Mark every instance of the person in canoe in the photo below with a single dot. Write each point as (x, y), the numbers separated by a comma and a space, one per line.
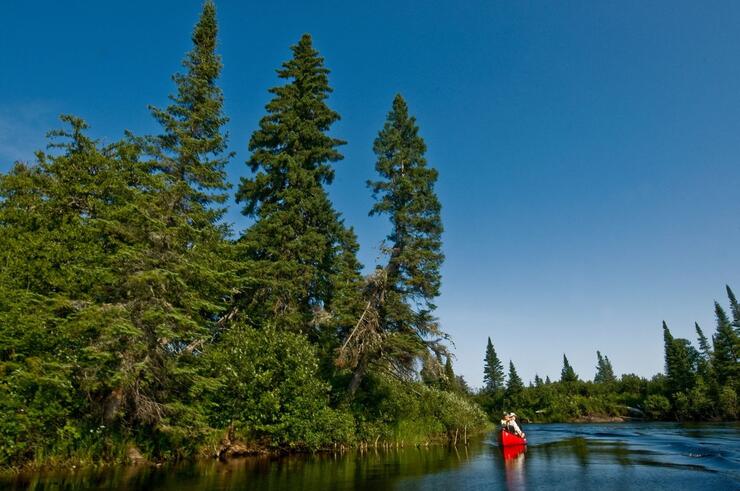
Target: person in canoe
(509, 424)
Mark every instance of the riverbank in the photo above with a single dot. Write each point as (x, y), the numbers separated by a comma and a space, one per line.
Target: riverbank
(230, 448)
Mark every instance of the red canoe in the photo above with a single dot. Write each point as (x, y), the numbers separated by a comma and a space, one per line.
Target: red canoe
(510, 439)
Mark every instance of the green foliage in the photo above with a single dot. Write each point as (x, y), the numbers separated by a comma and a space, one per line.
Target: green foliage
(270, 391)
(390, 410)
(728, 403)
(396, 328)
(567, 374)
(514, 385)
(450, 380)
(680, 360)
(298, 257)
(493, 370)
(725, 356)
(604, 370)
(190, 151)
(657, 406)
(405, 193)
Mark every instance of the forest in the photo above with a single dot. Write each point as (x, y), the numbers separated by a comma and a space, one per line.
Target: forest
(699, 383)
(136, 325)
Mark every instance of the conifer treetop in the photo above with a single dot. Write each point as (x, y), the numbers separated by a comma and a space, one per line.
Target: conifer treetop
(191, 149)
(292, 144)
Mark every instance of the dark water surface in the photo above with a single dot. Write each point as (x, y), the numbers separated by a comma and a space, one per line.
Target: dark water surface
(568, 456)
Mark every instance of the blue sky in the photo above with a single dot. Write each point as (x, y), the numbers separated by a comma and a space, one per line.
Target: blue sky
(589, 152)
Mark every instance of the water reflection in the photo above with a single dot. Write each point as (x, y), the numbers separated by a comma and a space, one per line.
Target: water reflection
(558, 457)
(514, 467)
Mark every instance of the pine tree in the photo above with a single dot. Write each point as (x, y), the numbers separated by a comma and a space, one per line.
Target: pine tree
(493, 370)
(604, 370)
(725, 359)
(298, 254)
(567, 374)
(734, 308)
(514, 384)
(191, 151)
(406, 193)
(176, 269)
(401, 295)
(704, 347)
(537, 381)
(680, 362)
(547, 380)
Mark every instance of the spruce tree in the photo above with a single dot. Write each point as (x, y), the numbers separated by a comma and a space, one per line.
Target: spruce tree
(680, 362)
(493, 370)
(734, 308)
(401, 294)
(514, 384)
(298, 255)
(176, 270)
(604, 370)
(191, 151)
(567, 374)
(704, 347)
(537, 381)
(725, 359)
(406, 194)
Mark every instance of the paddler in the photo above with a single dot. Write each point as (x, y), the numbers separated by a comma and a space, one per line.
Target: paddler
(510, 425)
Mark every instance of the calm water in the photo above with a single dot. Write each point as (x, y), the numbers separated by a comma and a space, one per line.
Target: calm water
(568, 457)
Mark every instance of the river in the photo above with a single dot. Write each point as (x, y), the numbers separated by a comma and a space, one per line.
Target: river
(559, 456)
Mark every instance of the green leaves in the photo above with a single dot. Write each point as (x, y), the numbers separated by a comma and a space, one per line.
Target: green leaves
(493, 370)
(298, 256)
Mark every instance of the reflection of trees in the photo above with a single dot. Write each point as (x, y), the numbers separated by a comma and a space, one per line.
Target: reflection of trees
(369, 470)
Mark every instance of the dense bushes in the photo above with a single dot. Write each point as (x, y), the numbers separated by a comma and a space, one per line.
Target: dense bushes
(269, 389)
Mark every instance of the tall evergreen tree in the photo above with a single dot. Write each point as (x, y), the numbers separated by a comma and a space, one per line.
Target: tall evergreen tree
(538, 381)
(177, 270)
(514, 384)
(705, 348)
(406, 194)
(567, 374)
(493, 370)
(604, 370)
(704, 366)
(191, 151)
(725, 359)
(734, 308)
(298, 253)
(680, 361)
(450, 378)
(398, 316)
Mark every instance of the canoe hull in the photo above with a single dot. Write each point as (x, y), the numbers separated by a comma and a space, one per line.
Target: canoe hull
(510, 439)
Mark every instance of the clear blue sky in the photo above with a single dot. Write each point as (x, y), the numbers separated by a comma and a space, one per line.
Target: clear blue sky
(589, 152)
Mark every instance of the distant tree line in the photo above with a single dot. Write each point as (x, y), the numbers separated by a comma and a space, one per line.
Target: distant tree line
(699, 384)
(132, 319)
